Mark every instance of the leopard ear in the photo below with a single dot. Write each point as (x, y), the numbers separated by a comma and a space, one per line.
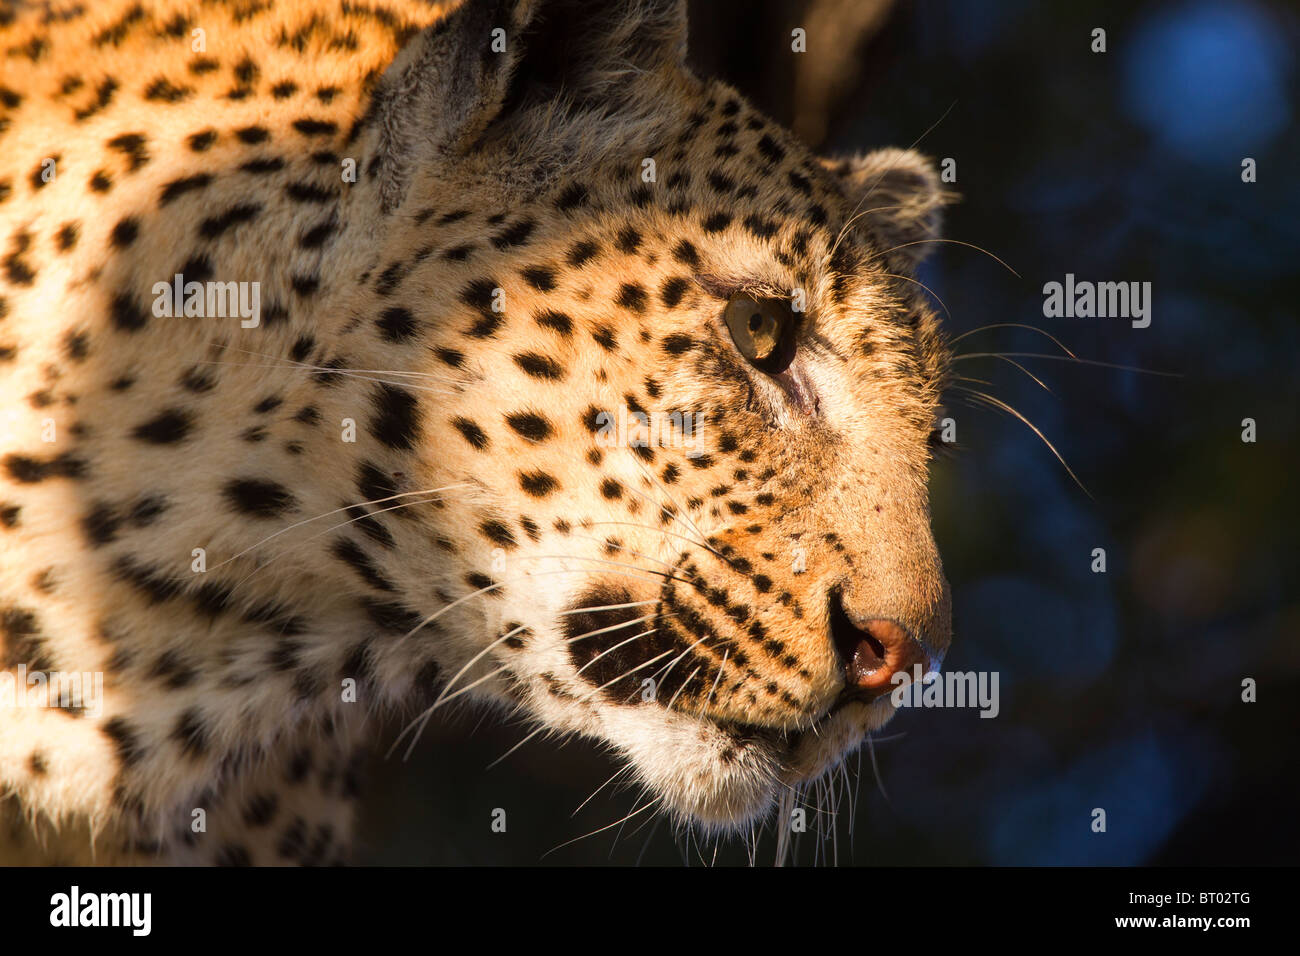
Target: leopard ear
(898, 199)
(490, 59)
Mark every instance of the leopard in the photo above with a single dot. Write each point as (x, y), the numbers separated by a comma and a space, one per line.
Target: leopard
(363, 360)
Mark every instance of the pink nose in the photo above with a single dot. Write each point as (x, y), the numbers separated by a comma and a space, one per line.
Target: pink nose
(873, 651)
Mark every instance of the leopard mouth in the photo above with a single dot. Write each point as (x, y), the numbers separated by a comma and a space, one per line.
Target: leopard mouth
(806, 753)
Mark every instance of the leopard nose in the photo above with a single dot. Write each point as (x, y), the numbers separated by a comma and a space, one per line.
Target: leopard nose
(873, 650)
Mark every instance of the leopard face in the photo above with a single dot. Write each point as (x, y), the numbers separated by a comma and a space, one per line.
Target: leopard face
(692, 586)
(580, 390)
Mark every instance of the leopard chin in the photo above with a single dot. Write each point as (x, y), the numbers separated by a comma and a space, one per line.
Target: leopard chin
(724, 780)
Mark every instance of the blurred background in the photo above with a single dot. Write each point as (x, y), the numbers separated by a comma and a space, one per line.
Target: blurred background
(1120, 690)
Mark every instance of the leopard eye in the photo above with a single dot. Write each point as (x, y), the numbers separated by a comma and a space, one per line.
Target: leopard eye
(763, 330)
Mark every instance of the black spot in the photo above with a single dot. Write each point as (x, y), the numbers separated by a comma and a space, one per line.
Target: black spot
(351, 554)
(150, 582)
(318, 234)
(253, 134)
(582, 251)
(214, 226)
(126, 314)
(315, 127)
(165, 91)
(133, 145)
(262, 165)
(479, 581)
(628, 240)
(632, 297)
(396, 324)
(573, 196)
(611, 489)
(145, 511)
(684, 252)
(37, 177)
(305, 285)
(179, 187)
(198, 380)
(537, 483)
(470, 432)
(390, 616)
(677, 343)
(125, 740)
(232, 854)
(306, 192)
(202, 141)
(717, 222)
(191, 733)
(540, 278)
(100, 524)
(258, 497)
(25, 470)
(302, 348)
(67, 236)
(673, 290)
(167, 428)
(197, 269)
(374, 484)
(390, 278)
(23, 642)
(539, 366)
(284, 89)
(514, 235)
(721, 182)
(762, 228)
(556, 321)
(396, 421)
(530, 425)
(174, 670)
(497, 532)
(103, 96)
(605, 338)
(770, 149)
(293, 840)
(297, 769)
(452, 357)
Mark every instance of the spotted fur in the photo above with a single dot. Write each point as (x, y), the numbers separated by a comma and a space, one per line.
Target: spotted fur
(499, 271)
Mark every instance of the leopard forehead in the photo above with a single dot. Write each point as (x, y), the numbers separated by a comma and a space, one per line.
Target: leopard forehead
(480, 427)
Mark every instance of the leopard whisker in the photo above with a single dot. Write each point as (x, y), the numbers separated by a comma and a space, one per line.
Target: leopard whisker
(614, 776)
(721, 668)
(1072, 359)
(326, 514)
(601, 829)
(516, 747)
(609, 650)
(1014, 325)
(954, 242)
(999, 404)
